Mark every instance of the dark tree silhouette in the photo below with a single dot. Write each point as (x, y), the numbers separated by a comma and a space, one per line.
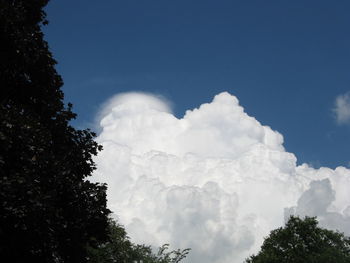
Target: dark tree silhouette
(49, 211)
(303, 241)
(119, 248)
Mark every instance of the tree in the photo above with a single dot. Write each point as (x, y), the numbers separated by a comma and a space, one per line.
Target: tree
(303, 241)
(119, 248)
(49, 211)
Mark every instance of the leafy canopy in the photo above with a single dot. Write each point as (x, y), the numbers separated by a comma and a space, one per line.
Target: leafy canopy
(119, 248)
(49, 211)
(300, 241)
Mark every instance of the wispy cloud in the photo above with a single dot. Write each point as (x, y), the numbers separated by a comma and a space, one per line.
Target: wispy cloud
(342, 108)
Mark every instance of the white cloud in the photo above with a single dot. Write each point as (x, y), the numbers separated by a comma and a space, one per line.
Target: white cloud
(342, 108)
(216, 180)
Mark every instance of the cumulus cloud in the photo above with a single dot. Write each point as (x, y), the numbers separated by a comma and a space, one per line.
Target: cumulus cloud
(216, 180)
(342, 108)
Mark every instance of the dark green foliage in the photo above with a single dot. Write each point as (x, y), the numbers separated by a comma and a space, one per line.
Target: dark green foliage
(174, 256)
(120, 249)
(302, 241)
(49, 212)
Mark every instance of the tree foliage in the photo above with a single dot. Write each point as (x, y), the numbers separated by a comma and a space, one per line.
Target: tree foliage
(119, 248)
(49, 212)
(300, 241)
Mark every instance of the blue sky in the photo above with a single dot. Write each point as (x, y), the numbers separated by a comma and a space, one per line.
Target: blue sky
(286, 61)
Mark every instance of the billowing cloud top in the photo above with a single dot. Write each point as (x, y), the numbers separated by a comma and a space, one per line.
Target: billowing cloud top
(216, 180)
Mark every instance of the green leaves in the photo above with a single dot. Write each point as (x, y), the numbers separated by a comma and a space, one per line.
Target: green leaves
(119, 248)
(49, 212)
(174, 256)
(301, 240)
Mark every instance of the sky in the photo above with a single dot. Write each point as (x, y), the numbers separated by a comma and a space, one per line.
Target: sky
(219, 119)
(285, 61)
